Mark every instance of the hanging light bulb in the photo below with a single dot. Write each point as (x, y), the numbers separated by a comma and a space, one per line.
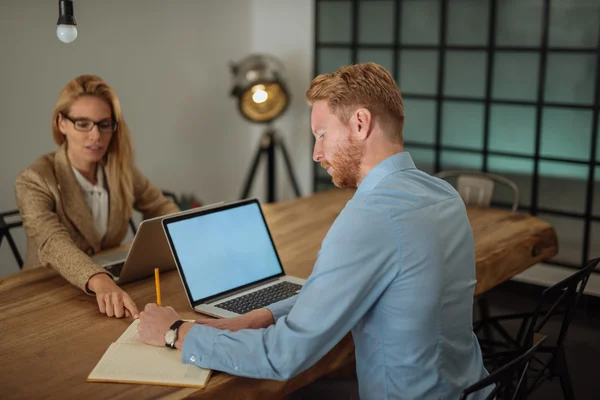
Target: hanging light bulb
(66, 30)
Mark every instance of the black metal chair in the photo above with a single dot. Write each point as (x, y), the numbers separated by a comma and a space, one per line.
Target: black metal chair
(10, 220)
(477, 188)
(557, 301)
(509, 380)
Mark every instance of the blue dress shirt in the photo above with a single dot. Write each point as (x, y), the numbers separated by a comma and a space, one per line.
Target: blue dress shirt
(397, 268)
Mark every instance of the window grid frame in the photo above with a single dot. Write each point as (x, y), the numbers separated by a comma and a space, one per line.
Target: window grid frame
(490, 49)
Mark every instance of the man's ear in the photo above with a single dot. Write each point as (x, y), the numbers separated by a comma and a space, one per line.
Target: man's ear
(363, 121)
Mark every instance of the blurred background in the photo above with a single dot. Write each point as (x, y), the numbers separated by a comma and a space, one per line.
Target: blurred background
(503, 86)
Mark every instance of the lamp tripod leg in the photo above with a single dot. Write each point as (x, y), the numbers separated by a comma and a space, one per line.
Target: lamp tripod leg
(271, 175)
(268, 143)
(290, 169)
(250, 178)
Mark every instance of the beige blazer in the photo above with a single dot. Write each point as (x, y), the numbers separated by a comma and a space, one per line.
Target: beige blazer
(58, 222)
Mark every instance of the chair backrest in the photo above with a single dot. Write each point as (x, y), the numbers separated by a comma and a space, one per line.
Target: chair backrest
(508, 379)
(563, 298)
(478, 187)
(10, 220)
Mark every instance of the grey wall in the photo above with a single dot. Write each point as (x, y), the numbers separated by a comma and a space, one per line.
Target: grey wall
(168, 62)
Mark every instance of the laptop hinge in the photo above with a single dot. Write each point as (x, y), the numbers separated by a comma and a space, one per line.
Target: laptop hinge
(244, 289)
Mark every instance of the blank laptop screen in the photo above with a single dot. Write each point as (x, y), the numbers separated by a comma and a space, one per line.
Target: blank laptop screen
(224, 250)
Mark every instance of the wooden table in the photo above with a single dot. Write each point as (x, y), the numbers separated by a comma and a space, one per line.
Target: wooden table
(52, 334)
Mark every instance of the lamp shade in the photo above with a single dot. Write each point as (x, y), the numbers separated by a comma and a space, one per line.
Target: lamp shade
(260, 88)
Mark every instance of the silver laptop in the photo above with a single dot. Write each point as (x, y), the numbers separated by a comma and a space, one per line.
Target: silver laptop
(149, 250)
(227, 260)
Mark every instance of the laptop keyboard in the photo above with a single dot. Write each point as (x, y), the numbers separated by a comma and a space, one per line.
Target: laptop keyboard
(260, 298)
(115, 269)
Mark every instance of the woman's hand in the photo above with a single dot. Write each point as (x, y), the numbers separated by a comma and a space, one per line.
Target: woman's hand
(112, 300)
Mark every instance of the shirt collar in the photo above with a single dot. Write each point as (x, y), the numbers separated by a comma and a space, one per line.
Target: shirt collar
(398, 162)
(87, 185)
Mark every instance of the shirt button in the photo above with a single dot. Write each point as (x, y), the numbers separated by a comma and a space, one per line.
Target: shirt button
(236, 368)
(193, 358)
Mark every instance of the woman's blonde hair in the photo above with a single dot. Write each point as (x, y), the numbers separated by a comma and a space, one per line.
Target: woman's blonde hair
(119, 156)
(366, 85)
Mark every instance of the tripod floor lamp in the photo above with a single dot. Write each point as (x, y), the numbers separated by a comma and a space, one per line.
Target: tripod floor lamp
(262, 97)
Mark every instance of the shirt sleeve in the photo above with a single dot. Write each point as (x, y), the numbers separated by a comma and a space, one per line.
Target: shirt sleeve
(357, 261)
(282, 308)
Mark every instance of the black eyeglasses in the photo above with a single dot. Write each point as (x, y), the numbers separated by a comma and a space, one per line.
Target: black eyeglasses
(86, 125)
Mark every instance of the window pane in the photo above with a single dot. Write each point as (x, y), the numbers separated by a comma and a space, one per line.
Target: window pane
(562, 186)
(418, 71)
(419, 125)
(385, 58)
(570, 237)
(460, 160)
(598, 138)
(335, 21)
(424, 158)
(518, 170)
(376, 22)
(594, 241)
(519, 23)
(566, 133)
(570, 78)
(512, 129)
(331, 60)
(515, 76)
(462, 124)
(465, 73)
(596, 204)
(574, 23)
(468, 22)
(420, 22)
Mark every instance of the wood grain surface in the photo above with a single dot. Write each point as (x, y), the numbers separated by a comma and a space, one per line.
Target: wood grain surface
(53, 334)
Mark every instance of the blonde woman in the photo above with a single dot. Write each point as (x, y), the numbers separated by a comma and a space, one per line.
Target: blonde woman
(77, 201)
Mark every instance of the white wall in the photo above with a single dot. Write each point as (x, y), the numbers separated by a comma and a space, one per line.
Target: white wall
(168, 62)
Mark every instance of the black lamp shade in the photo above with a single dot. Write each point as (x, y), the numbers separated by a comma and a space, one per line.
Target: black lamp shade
(259, 88)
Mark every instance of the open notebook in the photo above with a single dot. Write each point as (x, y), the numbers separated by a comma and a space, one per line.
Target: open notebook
(128, 360)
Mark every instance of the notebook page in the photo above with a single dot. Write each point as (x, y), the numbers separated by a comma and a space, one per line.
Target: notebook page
(140, 363)
(131, 334)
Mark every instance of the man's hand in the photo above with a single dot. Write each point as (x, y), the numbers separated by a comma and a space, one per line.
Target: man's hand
(112, 300)
(155, 321)
(255, 319)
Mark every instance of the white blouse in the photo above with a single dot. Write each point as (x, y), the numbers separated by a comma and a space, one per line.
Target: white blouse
(96, 197)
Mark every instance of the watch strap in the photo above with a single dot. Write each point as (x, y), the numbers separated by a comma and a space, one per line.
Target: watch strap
(177, 324)
(175, 328)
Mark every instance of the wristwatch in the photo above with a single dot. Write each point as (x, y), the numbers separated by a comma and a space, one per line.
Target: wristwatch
(171, 334)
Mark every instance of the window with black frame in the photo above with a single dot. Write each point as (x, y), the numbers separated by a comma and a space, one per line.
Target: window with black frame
(504, 86)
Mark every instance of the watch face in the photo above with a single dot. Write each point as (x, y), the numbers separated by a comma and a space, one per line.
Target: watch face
(170, 336)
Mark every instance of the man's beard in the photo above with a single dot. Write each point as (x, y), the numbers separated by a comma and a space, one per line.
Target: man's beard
(346, 161)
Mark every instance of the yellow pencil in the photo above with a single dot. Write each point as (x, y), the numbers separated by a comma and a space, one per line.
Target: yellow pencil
(157, 281)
